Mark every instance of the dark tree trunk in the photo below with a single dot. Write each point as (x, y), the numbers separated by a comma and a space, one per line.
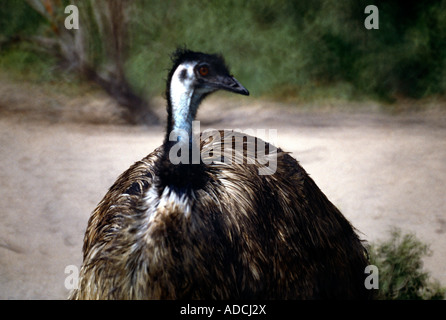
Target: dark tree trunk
(97, 50)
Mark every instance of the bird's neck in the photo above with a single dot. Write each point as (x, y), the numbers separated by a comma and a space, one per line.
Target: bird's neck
(183, 103)
(183, 112)
(178, 168)
(183, 109)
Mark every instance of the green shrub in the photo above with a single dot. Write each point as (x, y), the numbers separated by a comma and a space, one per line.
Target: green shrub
(400, 265)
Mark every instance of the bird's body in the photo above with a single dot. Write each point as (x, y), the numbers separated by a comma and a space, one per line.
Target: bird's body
(217, 229)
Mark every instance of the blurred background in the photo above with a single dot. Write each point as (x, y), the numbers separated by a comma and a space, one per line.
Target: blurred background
(363, 110)
(288, 50)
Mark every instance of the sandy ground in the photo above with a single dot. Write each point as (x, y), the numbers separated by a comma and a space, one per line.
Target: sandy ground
(56, 165)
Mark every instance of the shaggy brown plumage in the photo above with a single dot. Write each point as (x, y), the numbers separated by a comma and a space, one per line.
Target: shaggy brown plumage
(220, 231)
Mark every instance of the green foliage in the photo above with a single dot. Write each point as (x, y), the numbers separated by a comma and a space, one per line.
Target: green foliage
(400, 265)
(285, 49)
(21, 62)
(18, 18)
(301, 49)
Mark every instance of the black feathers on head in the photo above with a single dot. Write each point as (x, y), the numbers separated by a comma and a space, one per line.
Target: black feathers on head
(182, 55)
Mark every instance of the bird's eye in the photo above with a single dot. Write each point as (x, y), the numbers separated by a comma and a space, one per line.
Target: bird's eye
(203, 70)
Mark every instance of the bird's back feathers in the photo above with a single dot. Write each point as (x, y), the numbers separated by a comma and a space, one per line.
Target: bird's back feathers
(239, 235)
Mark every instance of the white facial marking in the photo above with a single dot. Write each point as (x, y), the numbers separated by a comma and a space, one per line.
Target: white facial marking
(181, 92)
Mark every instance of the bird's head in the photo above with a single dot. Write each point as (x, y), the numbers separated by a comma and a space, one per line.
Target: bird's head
(196, 74)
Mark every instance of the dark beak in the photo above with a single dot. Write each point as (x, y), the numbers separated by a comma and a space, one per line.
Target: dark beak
(230, 83)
